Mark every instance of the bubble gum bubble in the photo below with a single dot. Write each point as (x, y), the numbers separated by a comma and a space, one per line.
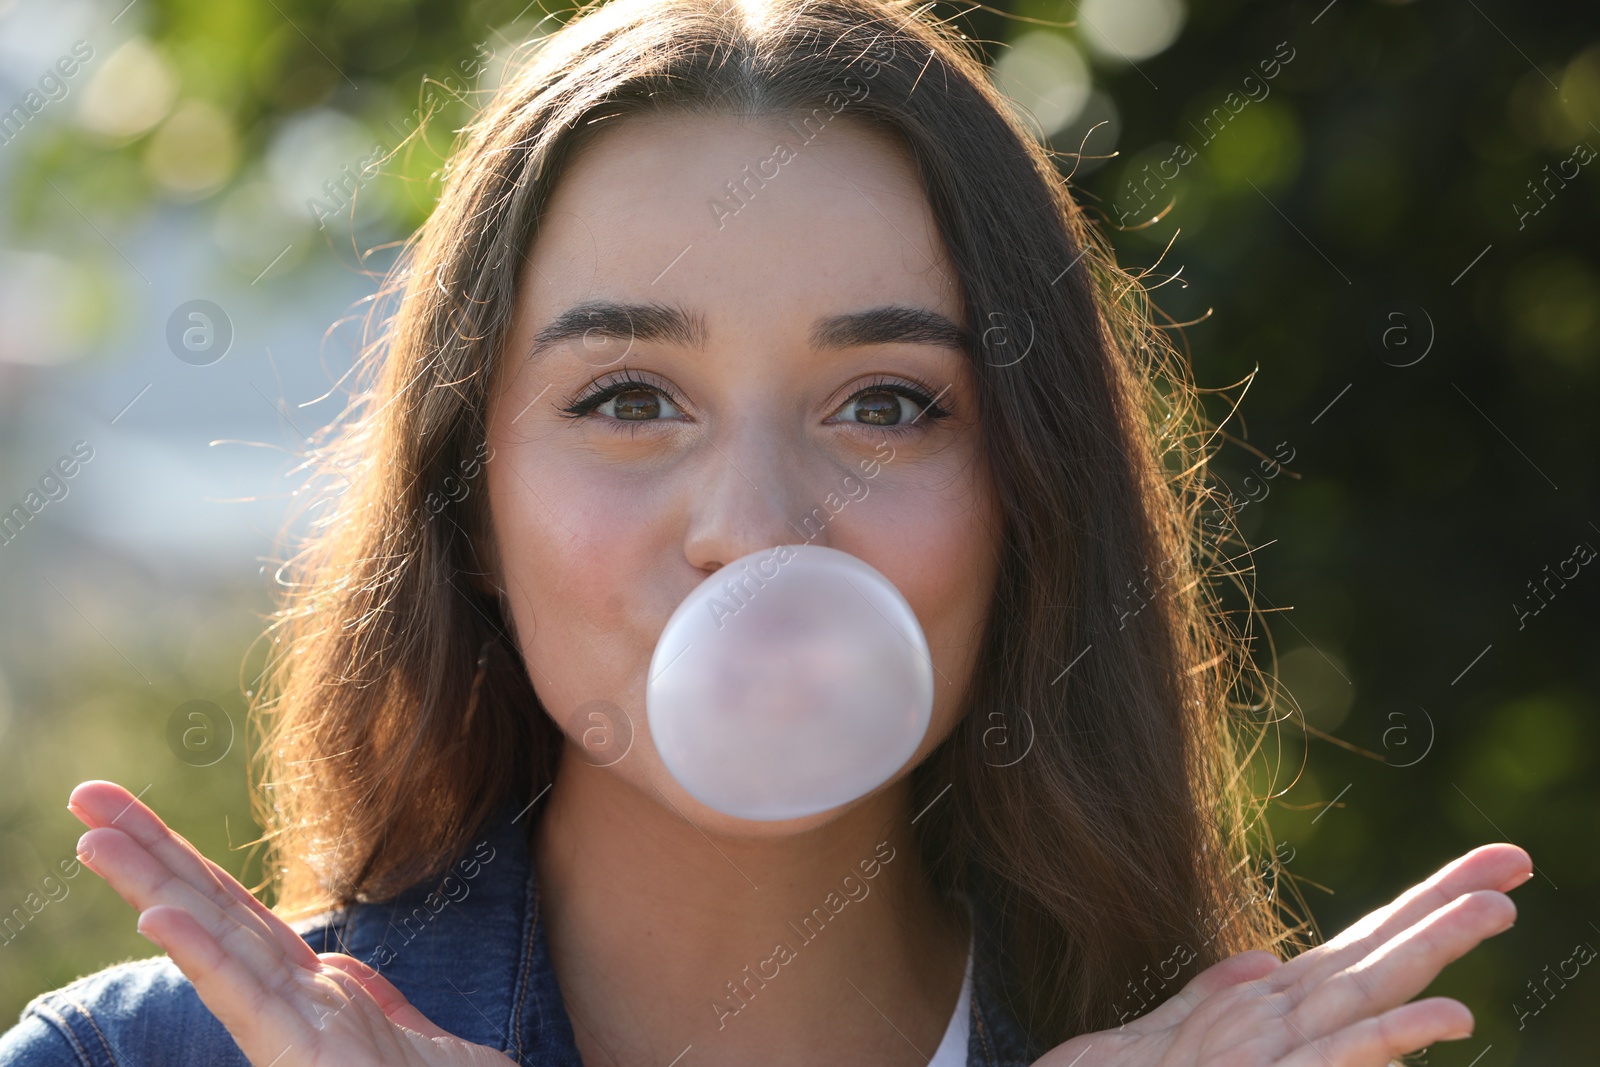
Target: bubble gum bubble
(791, 681)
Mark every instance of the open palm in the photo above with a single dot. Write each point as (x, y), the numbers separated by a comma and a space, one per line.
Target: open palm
(1344, 1003)
(284, 1004)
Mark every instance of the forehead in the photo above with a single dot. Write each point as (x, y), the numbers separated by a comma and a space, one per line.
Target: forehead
(755, 221)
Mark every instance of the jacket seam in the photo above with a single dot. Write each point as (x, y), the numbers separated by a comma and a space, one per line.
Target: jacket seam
(981, 1030)
(48, 1012)
(104, 1040)
(530, 929)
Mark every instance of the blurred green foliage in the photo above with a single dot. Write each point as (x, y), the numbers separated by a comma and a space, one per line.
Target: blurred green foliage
(78, 710)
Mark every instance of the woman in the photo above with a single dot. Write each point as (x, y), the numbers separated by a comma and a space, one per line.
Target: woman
(707, 279)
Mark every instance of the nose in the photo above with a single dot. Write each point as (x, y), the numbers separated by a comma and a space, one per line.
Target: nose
(747, 499)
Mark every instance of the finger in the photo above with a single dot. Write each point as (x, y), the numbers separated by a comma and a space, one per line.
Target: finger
(144, 881)
(1499, 866)
(294, 946)
(1404, 966)
(1375, 1041)
(248, 899)
(393, 1002)
(261, 1015)
(391, 1028)
(105, 804)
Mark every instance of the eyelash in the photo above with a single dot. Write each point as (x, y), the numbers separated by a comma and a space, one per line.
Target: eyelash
(606, 390)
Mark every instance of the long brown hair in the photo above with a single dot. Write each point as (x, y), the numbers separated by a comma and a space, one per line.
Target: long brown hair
(1096, 802)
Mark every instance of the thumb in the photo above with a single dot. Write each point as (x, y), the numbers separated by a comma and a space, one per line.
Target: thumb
(396, 1008)
(1242, 967)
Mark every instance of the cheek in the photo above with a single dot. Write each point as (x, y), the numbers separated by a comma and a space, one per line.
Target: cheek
(575, 551)
(936, 547)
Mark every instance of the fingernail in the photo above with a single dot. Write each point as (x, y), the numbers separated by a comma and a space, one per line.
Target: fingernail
(85, 852)
(148, 936)
(1457, 1036)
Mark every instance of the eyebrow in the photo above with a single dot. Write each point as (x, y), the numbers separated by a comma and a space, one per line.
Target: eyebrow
(887, 324)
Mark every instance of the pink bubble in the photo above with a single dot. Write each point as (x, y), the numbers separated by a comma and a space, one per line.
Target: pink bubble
(792, 681)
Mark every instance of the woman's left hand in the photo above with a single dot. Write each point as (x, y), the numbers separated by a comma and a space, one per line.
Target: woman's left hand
(1343, 1003)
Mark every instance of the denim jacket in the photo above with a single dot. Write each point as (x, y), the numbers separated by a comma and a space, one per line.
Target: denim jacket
(469, 951)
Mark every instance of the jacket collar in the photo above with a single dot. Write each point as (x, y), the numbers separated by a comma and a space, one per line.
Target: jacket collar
(467, 948)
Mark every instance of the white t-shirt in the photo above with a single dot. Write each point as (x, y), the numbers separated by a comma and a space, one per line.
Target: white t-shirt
(952, 1050)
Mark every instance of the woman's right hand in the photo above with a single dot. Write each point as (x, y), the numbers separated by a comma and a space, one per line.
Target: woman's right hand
(284, 1004)
(1339, 1004)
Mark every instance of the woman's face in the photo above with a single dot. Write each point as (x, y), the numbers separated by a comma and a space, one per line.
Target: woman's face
(768, 412)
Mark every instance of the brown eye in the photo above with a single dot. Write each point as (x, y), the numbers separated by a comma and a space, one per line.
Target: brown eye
(879, 409)
(890, 404)
(638, 404)
(628, 401)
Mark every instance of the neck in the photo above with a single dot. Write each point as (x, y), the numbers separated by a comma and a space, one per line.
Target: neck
(778, 950)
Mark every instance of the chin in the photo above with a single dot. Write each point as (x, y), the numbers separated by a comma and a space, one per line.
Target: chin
(660, 787)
